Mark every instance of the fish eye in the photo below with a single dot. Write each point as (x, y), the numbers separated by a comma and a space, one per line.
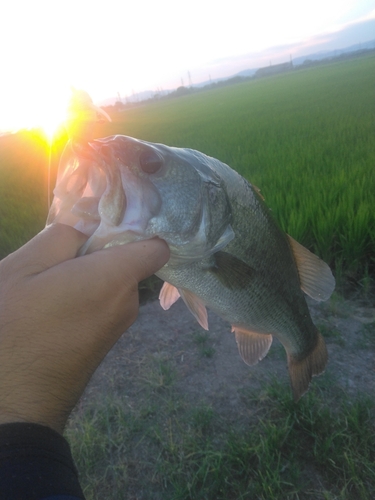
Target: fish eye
(150, 162)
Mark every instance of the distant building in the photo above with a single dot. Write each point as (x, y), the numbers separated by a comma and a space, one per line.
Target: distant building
(273, 70)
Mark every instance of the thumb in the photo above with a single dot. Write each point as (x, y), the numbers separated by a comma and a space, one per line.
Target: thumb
(130, 263)
(149, 256)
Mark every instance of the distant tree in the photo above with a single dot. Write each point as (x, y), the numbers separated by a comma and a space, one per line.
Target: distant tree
(119, 105)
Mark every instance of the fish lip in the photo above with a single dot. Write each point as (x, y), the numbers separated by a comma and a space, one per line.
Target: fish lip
(98, 157)
(129, 224)
(91, 151)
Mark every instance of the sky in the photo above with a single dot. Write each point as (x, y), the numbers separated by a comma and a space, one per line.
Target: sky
(115, 46)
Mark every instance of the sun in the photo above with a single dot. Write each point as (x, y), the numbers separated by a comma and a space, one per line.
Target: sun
(49, 117)
(76, 113)
(51, 120)
(46, 113)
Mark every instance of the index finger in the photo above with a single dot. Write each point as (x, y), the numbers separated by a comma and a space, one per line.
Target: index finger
(112, 271)
(55, 244)
(133, 262)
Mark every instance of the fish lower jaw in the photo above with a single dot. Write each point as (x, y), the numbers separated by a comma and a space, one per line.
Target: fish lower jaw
(97, 242)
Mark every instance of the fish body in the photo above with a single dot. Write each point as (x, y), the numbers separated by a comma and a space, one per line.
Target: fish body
(227, 252)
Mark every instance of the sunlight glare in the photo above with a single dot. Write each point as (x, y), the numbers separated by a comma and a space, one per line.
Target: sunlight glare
(41, 112)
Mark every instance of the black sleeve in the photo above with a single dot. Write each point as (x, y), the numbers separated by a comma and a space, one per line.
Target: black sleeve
(36, 463)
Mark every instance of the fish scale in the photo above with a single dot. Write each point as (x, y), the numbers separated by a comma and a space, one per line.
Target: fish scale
(227, 252)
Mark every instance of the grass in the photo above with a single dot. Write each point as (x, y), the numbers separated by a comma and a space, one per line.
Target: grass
(167, 448)
(367, 340)
(21, 191)
(24, 161)
(159, 375)
(202, 340)
(331, 333)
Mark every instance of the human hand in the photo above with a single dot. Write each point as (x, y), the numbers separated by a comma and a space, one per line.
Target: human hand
(60, 315)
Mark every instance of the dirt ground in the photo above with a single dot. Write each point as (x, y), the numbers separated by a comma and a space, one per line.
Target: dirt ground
(208, 368)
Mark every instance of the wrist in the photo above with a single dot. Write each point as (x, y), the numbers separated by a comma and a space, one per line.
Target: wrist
(55, 422)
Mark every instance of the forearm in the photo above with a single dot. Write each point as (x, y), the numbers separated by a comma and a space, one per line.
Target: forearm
(59, 316)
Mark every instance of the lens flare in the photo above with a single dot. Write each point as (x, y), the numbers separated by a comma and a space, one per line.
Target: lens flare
(34, 114)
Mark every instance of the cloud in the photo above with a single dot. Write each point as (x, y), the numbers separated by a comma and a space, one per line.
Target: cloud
(343, 36)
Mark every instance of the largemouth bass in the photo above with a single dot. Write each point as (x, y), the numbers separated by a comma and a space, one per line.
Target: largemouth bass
(227, 252)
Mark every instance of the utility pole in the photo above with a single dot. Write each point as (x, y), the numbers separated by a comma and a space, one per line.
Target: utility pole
(189, 79)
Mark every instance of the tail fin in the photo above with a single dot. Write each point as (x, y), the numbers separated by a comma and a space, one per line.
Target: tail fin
(302, 371)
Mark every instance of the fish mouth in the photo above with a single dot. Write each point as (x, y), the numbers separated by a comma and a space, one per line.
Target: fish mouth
(111, 189)
(98, 194)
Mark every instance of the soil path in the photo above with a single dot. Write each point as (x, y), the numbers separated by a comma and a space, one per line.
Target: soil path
(208, 368)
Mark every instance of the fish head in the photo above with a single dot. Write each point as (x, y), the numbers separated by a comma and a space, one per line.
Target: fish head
(119, 189)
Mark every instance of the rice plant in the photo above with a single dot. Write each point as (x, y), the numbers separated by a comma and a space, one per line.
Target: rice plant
(305, 138)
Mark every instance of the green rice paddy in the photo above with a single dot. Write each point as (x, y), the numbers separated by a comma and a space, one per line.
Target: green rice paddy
(305, 138)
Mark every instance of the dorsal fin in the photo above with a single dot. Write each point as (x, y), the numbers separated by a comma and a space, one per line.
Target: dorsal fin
(315, 276)
(257, 190)
(196, 306)
(252, 346)
(168, 295)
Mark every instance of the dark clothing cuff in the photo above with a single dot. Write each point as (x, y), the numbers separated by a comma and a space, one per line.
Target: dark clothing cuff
(36, 464)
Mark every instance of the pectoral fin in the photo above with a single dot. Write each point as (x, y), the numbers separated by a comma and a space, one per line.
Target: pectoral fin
(231, 271)
(224, 239)
(315, 276)
(196, 306)
(168, 295)
(252, 346)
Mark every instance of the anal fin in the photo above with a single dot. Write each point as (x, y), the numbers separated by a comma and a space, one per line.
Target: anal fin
(252, 346)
